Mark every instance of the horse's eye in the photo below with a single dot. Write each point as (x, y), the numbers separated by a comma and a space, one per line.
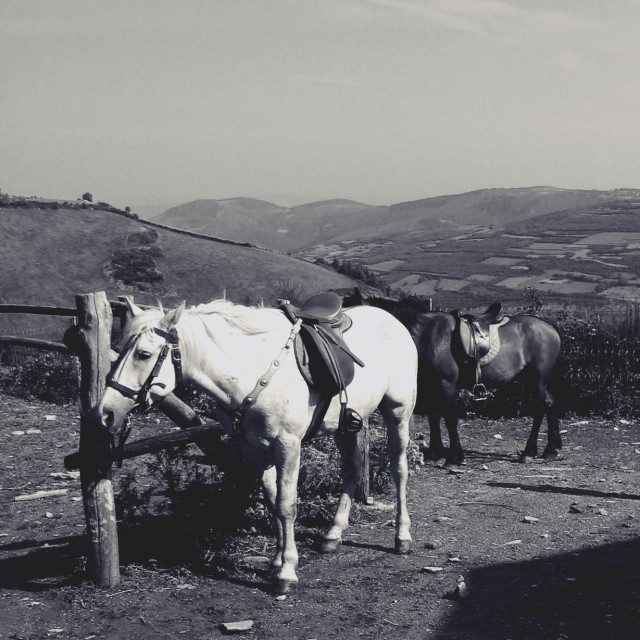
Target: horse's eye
(143, 355)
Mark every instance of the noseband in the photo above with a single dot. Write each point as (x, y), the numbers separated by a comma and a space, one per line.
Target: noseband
(142, 397)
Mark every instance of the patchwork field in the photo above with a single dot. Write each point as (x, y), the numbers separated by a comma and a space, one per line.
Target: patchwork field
(568, 253)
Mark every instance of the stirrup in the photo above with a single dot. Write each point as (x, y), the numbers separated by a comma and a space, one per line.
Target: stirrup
(480, 393)
(350, 421)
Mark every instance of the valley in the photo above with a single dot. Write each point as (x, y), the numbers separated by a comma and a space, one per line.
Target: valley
(461, 249)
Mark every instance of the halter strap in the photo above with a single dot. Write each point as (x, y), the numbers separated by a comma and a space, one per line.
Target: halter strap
(141, 396)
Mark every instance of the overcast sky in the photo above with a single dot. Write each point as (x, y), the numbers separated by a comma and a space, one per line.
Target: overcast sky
(382, 101)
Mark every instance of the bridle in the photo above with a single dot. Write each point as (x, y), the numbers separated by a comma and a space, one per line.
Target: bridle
(142, 396)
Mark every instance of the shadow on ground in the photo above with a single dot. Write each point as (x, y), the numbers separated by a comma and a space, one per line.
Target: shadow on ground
(588, 594)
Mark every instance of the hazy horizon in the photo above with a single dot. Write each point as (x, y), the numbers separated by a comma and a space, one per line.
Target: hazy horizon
(154, 103)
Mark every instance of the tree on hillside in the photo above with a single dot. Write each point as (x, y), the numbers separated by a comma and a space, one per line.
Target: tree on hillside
(87, 196)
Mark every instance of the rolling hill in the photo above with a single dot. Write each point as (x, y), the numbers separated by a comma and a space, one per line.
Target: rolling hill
(269, 225)
(310, 225)
(459, 249)
(50, 253)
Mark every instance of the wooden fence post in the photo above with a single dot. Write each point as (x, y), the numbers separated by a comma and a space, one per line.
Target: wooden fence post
(93, 350)
(362, 487)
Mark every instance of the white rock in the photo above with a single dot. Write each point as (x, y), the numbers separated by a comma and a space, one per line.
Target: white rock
(236, 627)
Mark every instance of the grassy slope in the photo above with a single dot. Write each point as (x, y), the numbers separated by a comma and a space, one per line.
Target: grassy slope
(48, 256)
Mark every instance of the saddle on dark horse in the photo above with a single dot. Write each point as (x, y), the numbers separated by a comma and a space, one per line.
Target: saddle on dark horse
(324, 360)
(479, 340)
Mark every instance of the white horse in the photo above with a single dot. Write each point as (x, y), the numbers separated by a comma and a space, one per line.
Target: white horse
(229, 351)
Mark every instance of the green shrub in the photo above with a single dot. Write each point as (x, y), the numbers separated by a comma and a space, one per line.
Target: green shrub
(49, 377)
(601, 371)
(135, 266)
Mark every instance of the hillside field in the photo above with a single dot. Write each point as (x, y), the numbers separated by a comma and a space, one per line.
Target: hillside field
(48, 255)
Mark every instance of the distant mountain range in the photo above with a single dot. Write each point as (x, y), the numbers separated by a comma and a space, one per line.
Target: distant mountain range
(269, 225)
(490, 243)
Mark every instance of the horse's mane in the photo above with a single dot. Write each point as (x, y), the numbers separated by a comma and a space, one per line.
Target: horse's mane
(247, 320)
(242, 319)
(408, 310)
(142, 323)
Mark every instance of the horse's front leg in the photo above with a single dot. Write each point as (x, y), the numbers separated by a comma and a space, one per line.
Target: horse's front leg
(554, 440)
(270, 489)
(539, 395)
(351, 461)
(456, 454)
(287, 450)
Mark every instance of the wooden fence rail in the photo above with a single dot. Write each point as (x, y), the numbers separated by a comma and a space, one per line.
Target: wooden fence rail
(90, 341)
(34, 343)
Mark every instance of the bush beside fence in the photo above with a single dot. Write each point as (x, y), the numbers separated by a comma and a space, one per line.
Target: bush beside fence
(600, 369)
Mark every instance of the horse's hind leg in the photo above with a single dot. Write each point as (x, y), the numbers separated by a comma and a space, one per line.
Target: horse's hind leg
(531, 450)
(543, 404)
(351, 460)
(398, 440)
(554, 439)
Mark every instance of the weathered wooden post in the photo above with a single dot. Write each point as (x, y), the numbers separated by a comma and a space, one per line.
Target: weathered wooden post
(362, 488)
(93, 350)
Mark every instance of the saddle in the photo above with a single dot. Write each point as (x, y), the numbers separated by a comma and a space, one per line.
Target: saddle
(479, 339)
(323, 358)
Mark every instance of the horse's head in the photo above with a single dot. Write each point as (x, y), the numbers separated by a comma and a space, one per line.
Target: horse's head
(148, 368)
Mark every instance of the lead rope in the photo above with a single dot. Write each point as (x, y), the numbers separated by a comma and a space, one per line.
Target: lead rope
(117, 450)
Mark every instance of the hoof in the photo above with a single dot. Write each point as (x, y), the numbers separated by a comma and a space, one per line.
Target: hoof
(330, 546)
(526, 459)
(403, 547)
(284, 587)
(552, 455)
(433, 456)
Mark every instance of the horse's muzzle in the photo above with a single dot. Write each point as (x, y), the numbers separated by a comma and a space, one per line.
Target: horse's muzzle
(107, 420)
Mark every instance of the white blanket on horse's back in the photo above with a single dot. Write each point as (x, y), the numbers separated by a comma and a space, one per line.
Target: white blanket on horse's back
(494, 342)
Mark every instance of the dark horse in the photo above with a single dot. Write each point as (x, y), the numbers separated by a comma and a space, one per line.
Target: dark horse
(530, 351)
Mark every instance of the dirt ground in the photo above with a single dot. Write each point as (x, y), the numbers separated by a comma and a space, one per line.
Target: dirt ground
(546, 550)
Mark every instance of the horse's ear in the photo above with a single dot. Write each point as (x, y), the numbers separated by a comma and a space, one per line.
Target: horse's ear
(132, 308)
(173, 317)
